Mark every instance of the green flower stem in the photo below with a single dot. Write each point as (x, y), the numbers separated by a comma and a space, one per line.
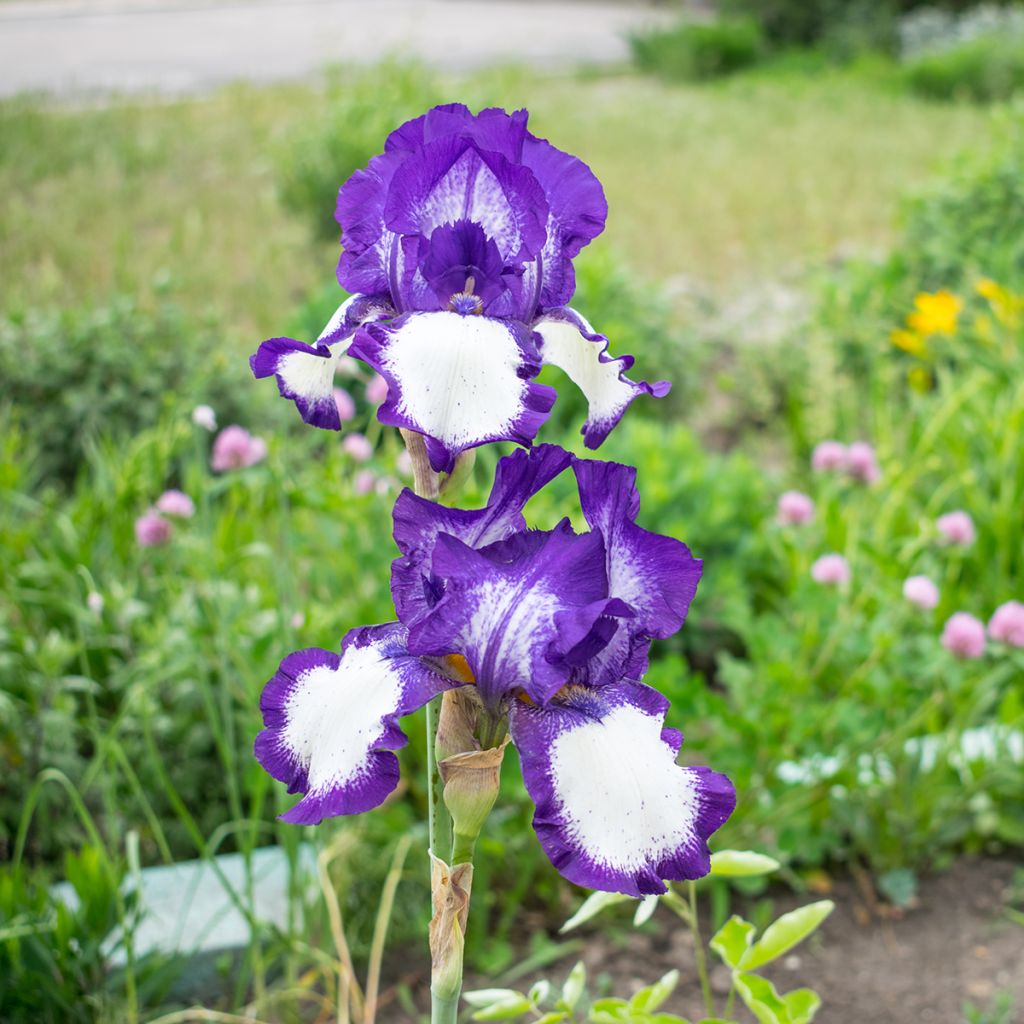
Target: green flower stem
(444, 1008)
(444, 1000)
(462, 849)
(698, 952)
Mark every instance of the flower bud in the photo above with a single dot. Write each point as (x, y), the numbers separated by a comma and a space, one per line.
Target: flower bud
(471, 782)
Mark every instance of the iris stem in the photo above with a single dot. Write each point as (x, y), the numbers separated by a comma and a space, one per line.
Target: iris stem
(698, 952)
(444, 1009)
(444, 1006)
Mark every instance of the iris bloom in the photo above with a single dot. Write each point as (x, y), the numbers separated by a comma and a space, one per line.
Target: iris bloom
(458, 247)
(552, 627)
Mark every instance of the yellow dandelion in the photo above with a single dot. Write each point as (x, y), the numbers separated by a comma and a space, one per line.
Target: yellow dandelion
(910, 342)
(935, 313)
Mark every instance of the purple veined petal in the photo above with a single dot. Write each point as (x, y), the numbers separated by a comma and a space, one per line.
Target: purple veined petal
(331, 721)
(656, 576)
(577, 211)
(450, 179)
(491, 129)
(418, 522)
(521, 625)
(570, 343)
(462, 381)
(460, 251)
(305, 373)
(614, 810)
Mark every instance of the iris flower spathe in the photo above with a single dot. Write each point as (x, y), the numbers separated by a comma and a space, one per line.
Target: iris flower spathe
(458, 247)
(553, 628)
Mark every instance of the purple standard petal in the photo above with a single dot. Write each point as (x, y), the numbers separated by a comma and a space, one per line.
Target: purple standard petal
(459, 252)
(522, 624)
(577, 210)
(462, 381)
(450, 179)
(570, 343)
(614, 810)
(305, 373)
(492, 129)
(656, 576)
(331, 721)
(418, 522)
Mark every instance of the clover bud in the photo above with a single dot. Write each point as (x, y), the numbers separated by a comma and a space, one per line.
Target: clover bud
(471, 782)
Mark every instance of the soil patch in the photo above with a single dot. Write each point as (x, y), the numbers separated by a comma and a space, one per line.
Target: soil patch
(957, 945)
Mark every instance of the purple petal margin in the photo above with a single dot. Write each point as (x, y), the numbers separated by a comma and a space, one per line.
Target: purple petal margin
(609, 392)
(332, 721)
(614, 811)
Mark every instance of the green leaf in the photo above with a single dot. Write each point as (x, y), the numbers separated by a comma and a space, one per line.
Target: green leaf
(645, 910)
(539, 991)
(555, 1017)
(609, 1004)
(487, 996)
(741, 864)
(783, 934)
(802, 1004)
(898, 886)
(505, 1009)
(653, 996)
(732, 941)
(573, 987)
(761, 999)
(591, 907)
(608, 1016)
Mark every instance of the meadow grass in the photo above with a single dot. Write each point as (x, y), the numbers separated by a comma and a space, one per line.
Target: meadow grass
(719, 184)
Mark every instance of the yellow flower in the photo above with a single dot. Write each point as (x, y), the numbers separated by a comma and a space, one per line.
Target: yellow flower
(987, 288)
(909, 342)
(1006, 306)
(935, 313)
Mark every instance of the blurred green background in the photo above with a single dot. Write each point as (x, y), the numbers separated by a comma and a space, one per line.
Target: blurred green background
(784, 182)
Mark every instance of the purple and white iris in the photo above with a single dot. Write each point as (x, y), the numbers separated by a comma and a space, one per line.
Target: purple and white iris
(458, 247)
(555, 628)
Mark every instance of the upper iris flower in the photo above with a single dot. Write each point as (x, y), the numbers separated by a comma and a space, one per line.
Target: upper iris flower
(458, 247)
(553, 628)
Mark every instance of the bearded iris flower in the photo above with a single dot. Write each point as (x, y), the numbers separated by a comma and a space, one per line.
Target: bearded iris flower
(458, 247)
(552, 628)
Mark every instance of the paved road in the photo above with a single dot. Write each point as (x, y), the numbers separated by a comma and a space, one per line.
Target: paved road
(181, 46)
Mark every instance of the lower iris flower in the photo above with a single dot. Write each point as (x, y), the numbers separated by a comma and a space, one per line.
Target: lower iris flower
(551, 630)
(458, 247)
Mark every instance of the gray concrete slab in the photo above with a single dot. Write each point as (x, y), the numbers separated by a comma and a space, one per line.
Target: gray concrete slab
(76, 47)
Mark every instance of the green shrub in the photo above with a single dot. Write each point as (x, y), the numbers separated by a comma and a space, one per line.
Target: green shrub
(365, 106)
(972, 221)
(985, 69)
(694, 51)
(70, 375)
(838, 23)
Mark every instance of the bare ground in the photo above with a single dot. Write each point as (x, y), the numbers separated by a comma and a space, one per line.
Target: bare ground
(870, 964)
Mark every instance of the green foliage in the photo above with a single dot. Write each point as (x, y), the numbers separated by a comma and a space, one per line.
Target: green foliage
(57, 952)
(985, 69)
(71, 376)
(806, 22)
(694, 51)
(363, 107)
(971, 221)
